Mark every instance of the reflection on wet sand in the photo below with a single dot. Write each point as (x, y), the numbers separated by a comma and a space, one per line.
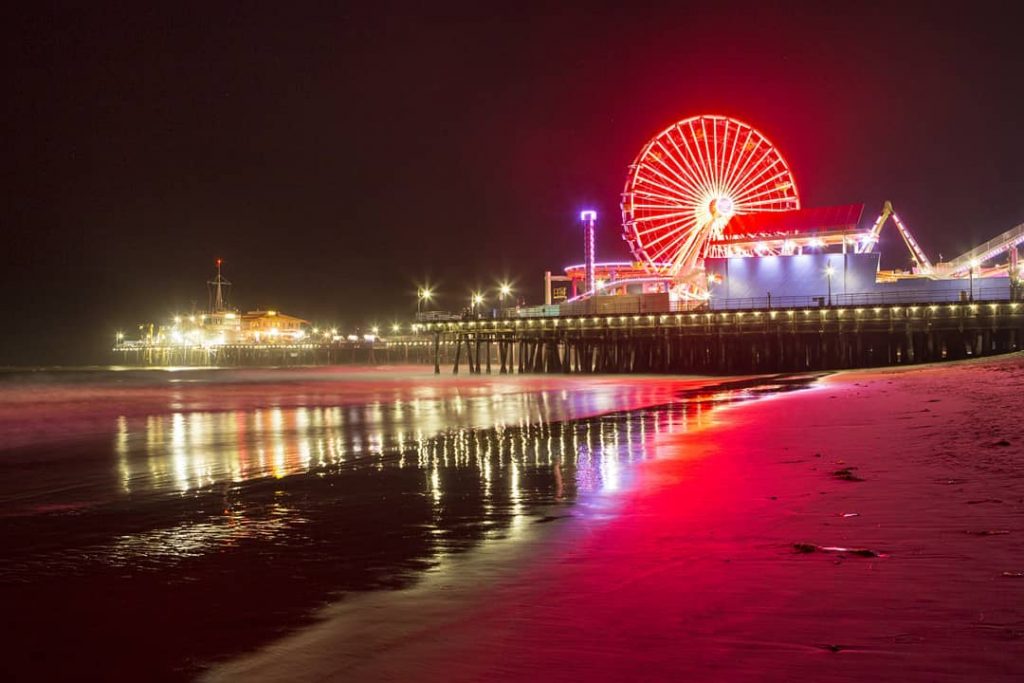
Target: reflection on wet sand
(189, 451)
(230, 528)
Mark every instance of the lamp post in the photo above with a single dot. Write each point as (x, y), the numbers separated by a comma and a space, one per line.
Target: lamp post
(423, 294)
(829, 272)
(504, 290)
(476, 300)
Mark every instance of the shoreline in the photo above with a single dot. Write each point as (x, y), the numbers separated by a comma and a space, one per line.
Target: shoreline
(915, 471)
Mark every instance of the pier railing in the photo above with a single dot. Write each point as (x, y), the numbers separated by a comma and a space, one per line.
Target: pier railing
(639, 305)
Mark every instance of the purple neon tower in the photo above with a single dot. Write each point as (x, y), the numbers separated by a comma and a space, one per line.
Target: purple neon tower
(588, 218)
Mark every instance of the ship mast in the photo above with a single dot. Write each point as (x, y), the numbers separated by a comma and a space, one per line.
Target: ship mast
(218, 283)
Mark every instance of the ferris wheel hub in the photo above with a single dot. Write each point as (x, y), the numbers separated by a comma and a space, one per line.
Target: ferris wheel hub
(722, 207)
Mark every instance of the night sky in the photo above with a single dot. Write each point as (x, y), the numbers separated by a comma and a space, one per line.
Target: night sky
(337, 155)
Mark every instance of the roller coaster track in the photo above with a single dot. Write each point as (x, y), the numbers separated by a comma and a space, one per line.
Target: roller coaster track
(1000, 244)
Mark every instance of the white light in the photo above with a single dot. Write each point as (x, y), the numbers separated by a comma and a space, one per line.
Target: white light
(588, 215)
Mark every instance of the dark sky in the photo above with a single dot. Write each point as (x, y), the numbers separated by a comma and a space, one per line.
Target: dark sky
(336, 155)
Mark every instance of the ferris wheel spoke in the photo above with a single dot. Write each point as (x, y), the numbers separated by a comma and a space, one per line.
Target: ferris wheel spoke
(673, 224)
(694, 158)
(649, 205)
(762, 166)
(649, 212)
(687, 196)
(654, 162)
(686, 157)
(675, 188)
(667, 229)
(720, 146)
(717, 156)
(685, 174)
(673, 202)
(662, 216)
(766, 186)
(730, 165)
(665, 249)
(737, 165)
(709, 156)
(704, 157)
(772, 204)
(754, 162)
(677, 236)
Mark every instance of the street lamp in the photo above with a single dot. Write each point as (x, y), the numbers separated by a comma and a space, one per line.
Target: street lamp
(423, 294)
(505, 289)
(829, 272)
(476, 300)
(974, 264)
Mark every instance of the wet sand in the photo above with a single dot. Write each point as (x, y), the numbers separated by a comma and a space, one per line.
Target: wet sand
(154, 523)
(868, 528)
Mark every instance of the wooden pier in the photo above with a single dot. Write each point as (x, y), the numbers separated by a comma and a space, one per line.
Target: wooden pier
(733, 341)
(407, 350)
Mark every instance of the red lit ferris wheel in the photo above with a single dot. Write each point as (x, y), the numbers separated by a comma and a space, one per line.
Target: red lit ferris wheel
(689, 181)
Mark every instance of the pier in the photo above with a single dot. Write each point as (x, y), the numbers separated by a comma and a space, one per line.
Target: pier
(731, 341)
(406, 350)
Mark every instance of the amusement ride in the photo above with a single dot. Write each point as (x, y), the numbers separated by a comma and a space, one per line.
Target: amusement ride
(712, 186)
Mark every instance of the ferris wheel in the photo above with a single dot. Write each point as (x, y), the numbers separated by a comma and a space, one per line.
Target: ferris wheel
(689, 181)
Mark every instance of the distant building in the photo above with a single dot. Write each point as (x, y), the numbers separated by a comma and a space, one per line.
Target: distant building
(271, 326)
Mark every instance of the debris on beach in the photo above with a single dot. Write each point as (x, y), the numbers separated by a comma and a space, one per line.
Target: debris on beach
(987, 532)
(846, 474)
(1014, 575)
(832, 647)
(805, 548)
(851, 514)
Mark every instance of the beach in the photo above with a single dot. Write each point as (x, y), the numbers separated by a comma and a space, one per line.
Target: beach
(868, 527)
(155, 522)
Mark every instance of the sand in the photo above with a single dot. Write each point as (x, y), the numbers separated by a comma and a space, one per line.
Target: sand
(868, 528)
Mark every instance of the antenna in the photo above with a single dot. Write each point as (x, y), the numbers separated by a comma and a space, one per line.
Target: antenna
(218, 283)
